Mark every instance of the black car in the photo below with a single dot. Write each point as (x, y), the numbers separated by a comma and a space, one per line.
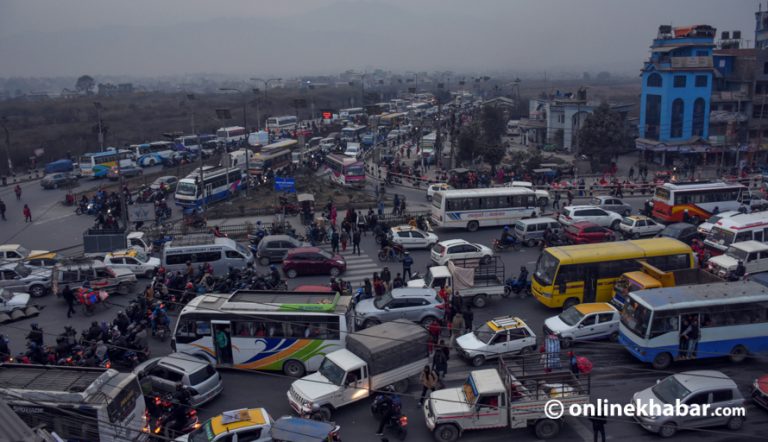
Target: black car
(681, 231)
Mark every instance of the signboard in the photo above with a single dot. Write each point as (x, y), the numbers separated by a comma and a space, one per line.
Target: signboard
(285, 185)
(141, 212)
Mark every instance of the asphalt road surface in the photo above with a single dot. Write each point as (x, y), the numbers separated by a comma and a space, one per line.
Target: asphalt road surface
(616, 374)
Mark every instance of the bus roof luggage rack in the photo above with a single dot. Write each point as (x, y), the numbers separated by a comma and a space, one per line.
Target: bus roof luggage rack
(198, 239)
(284, 301)
(49, 378)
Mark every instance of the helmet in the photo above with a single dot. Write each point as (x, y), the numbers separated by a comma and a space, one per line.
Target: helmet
(189, 286)
(506, 228)
(258, 223)
(273, 267)
(34, 326)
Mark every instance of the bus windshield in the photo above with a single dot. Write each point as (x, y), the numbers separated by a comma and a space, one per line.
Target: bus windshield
(546, 268)
(636, 318)
(189, 189)
(721, 236)
(355, 170)
(437, 200)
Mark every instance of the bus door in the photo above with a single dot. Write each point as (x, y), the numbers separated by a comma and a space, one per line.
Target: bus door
(208, 190)
(590, 283)
(222, 341)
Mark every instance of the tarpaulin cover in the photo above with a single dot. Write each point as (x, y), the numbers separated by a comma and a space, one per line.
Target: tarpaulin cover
(389, 345)
(462, 278)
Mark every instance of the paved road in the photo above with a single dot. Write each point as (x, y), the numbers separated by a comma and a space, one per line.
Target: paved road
(616, 374)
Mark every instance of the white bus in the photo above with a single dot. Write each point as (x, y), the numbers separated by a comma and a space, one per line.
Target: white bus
(97, 164)
(285, 143)
(284, 123)
(282, 331)
(474, 208)
(150, 154)
(84, 404)
(350, 113)
(353, 133)
(731, 319)
(218, 184)
(232, 135)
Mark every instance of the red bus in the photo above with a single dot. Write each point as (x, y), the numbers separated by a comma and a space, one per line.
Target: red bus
(346, 171)
(671, 200)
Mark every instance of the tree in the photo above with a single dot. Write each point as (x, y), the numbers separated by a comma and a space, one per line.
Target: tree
(468, 146)
(603, 135)
(493, 124)
(493, 154)
(85, 84)
(603, 76)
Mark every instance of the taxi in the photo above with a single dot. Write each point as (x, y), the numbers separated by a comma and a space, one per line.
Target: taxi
(44, 260)
(133, 259)
(637, 226)
(247, 424)
(584, 322)
(496, 338)
(412, 238)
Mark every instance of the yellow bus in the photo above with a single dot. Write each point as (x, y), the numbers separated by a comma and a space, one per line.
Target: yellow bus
(566, 276)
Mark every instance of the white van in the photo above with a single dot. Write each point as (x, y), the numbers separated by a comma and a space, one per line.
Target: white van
(353, 150)
(753, 254)
(739, 228)
(220, 253)
(531, 230)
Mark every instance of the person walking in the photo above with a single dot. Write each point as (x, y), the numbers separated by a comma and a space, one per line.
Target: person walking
(2, 210)
(27, 214)
(344, 239)
(386, 278)
(17, 191)
(598, 427)
(428, 380)
(69, 296)
(396, 207)
(356, 241)
(569, 197)
(440, 361)
(407, 263)
(457, 327)
(469, 316)
(335, 241)
(556, 201)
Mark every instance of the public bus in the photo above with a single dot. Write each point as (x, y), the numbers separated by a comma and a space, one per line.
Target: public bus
(230, 136)
(475, 208)
(218, 184)
(671, 200)
(353, 133)
(732, 319)
(281, 331)
(77, 403)
(284, 143)
(269, 159)
(284, 123)
(150, 154)
(97, 164)
(393, 120)
(193, 143)
(345, 171)
(351, 113)
(569, 275)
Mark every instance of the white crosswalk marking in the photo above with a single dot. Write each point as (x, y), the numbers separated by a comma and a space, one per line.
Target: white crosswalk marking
(359, 267)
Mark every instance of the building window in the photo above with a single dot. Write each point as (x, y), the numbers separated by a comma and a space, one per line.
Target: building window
(765, 67)
(654, 80)
(679, 81)
(701, 81)
(652, 116)
(701, 53)
(698, 117)
(678, 110)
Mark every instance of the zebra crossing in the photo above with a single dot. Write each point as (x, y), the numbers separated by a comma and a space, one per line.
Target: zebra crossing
(359, 267)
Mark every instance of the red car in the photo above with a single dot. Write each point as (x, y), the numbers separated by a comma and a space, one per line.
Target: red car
(587, 232)
(312, 261)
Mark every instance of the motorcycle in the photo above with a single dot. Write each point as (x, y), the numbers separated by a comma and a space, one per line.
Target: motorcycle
(397, 420)
(394, 254)
(513, 243)
(517, 286)
(162, 428)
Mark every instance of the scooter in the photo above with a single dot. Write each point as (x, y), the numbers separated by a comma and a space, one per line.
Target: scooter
(499, 246)
(397, 421)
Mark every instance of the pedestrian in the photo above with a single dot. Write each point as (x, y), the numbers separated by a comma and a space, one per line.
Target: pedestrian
(361, 223)
(344, 239)
(469, 316)
(398, 282)
(380, 208)
(386, 278)
(2, 210)
(367, 289)
(335, 241)
(556, 201)
(574, 363)
(69, 296)
(456, 305)
(440, 362)
(407, 263)
(396, 207)
(17, 191)
(428, 380)
(402, 206)
(27, 214)
(569, 197)
(356, 241)
(457, 327)
(598, 426)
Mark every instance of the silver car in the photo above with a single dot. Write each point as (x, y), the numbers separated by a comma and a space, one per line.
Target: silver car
(613, 204)
(20, 278)
(704, 388)
(164, 373)
(415, 304)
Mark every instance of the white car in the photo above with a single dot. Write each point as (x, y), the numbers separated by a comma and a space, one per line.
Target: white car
(134, 260)
(753, 254)
(498, 337)
(10, 301)
(432, 188)
(412, 238)
(601, 217)
(584, 322)
(454, 249)
(638, 225)
(706, 226)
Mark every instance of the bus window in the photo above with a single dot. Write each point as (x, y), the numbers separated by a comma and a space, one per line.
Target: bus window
(664, 322)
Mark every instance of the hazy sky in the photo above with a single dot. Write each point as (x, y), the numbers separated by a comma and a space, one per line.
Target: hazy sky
(258, 37)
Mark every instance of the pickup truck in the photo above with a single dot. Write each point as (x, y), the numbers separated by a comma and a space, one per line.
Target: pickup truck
(512, 396)
(650, 277)
(473, 281)
(385, 354)
(98, 242)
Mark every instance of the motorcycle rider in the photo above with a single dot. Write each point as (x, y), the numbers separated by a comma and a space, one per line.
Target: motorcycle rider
(121, 322)
(274, 276)
(390, 404)
(94, 332)
(35, 335)
(506, 237)
(159, 317)
(5, 351)
(182, 400)
(523, 277)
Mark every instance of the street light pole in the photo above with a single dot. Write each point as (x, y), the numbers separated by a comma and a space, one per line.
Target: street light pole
(266, 86)
(245, 125)
(101, 134)
(7, 163)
